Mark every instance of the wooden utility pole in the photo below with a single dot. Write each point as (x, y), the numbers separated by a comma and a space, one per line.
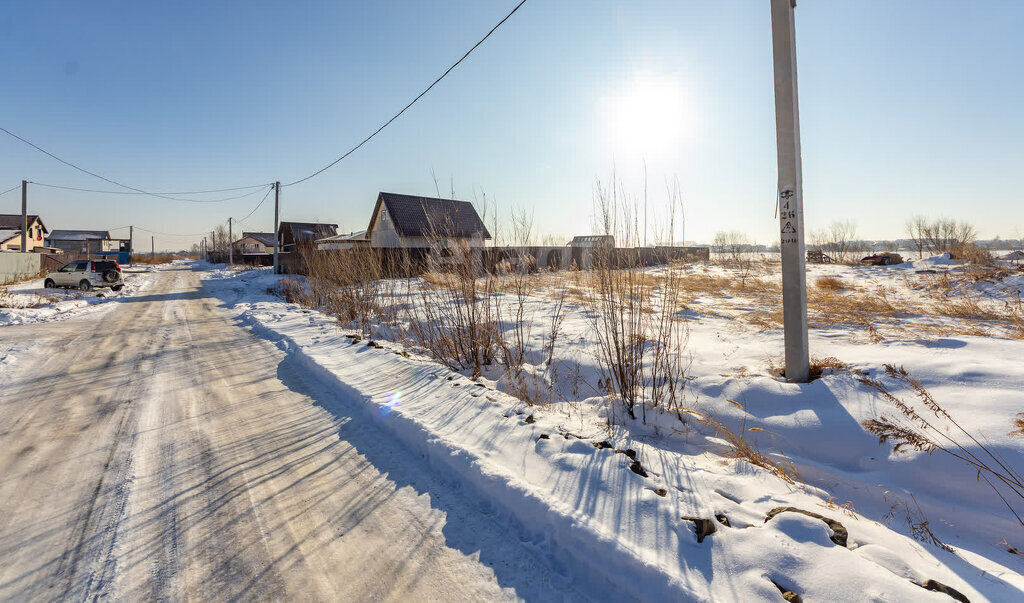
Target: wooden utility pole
(231, 244)
(24, 216)
(131, 243)
(791, 194)
(277, 209)
(152, 247)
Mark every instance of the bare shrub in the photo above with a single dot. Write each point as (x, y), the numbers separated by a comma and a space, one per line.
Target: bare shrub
(916, 431)
(348, 284)
(939, 235)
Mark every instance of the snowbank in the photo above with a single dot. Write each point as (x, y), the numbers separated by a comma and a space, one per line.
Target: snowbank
(609, 505)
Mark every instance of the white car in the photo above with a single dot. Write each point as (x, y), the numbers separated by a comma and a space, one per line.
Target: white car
(86, 275)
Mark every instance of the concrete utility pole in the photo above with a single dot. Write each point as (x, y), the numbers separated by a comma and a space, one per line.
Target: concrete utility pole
(791, 194)
(231, 244)
(277, 208)
(152, 247)
(24, 216)
(131, 243)
(206, 255)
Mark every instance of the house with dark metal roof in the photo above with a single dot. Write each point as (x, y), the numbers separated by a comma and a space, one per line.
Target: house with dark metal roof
(425, 222)
(10, 232)
(255, 242)
(292, 233)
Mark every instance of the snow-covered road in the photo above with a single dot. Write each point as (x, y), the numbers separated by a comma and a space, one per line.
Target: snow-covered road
(159, 450)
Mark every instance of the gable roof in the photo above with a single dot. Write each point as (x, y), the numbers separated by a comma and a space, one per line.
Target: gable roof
(78, 235)
(13, 222)
(426, 216)
(305, 231)
(267, 238)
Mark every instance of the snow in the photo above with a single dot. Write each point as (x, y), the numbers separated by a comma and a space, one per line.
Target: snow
(613, 530)
(30, 302)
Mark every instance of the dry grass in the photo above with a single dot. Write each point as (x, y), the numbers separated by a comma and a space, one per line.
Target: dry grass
(1018, 425)
(740, 448)
(160, 258)
(830, 283)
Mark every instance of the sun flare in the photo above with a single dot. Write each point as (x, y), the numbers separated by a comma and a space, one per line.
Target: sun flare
(647, 115)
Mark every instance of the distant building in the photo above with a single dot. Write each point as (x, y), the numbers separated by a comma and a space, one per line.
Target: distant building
(10, 232)
(291, 234)
(80, 241)
(584, 241)
(409, 221)
(255, 242)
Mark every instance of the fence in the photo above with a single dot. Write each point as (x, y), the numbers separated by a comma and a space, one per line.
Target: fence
(413, 261)
(16, 266)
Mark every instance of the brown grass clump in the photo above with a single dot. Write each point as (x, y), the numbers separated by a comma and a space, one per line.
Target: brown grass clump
(830, 283)
(1018, 426)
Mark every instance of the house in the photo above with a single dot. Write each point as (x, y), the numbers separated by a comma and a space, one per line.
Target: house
(408, 221)
(10, 232)
(255, 242)
(352, 240)
(291, 234)
(80, 241)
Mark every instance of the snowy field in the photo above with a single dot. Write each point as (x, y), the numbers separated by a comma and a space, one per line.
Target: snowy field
(684, 501)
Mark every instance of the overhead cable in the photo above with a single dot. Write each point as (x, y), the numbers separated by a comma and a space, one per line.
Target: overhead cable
(411, 103)
(257, 205)
(92, 190)
(105, 179)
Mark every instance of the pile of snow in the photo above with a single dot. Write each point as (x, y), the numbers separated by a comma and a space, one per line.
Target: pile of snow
(30, 302)
(612, 502)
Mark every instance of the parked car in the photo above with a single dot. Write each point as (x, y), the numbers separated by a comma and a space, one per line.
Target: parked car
(86, 275)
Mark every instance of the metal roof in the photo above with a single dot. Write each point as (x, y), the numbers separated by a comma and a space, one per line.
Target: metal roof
(13, 221)
(430, 216)
(78, 235)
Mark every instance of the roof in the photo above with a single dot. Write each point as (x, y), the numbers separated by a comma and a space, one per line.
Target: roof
(13, 221)
(304, 231)
(267, 238)
(7, 234)
(359, 235)
(78, 235)
(425, 216)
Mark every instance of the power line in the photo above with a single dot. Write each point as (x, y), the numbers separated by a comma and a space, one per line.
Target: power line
(172, 234)
(104, 178)
(14, 188)
(257, 205)
(412, 102)
(92, 190)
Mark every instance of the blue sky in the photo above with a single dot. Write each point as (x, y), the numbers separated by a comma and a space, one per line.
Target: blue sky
(907, 107)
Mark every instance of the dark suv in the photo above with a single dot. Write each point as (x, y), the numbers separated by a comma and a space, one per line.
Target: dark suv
(86, 275)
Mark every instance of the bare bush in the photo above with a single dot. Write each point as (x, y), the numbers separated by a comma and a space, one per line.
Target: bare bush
(939, 235)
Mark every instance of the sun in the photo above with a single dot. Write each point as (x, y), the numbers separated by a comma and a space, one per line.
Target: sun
(647, 116)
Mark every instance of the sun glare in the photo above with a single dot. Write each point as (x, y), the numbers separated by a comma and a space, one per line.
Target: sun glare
(647, 116)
